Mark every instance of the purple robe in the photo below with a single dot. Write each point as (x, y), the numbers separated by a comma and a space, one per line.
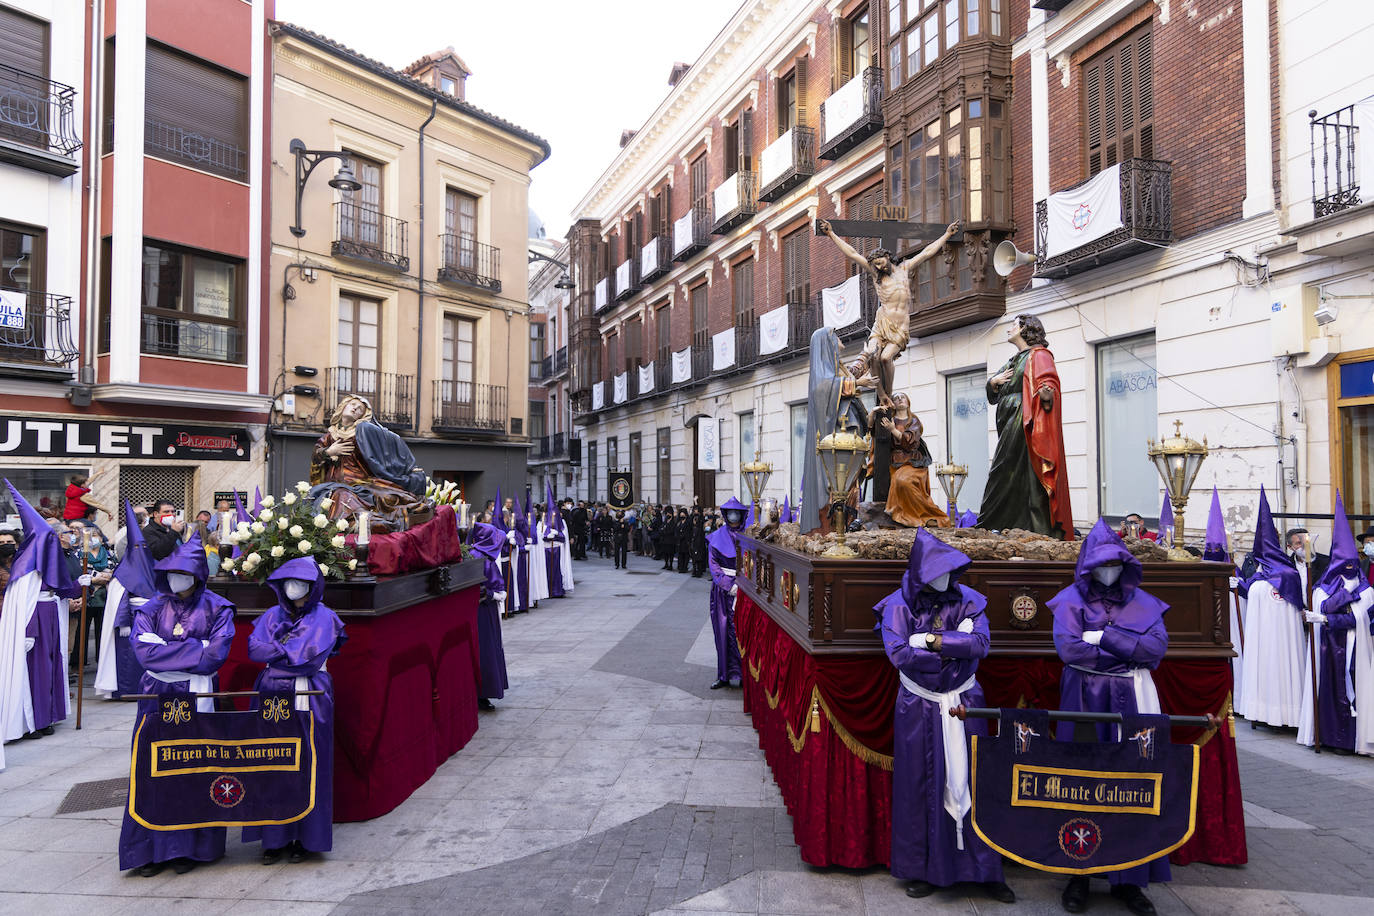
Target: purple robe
(553, 563)
(128, 671)
(491, 654)
(295, 642)
(722, 560)
(925, 837)
(520, 567)
(204, 616)
(47, 682)
(1333, 701)
(1099, 678)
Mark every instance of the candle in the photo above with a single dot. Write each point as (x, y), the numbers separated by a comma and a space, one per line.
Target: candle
(226, 525)
(364, 529)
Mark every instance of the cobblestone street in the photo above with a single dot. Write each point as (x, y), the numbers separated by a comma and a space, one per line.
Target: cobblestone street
(611, 780)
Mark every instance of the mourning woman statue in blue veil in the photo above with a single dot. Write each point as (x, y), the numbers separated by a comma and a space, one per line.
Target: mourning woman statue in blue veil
(833, 405)
(364, 467)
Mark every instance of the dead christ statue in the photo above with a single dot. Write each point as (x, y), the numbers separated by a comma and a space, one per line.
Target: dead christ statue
(892, 323)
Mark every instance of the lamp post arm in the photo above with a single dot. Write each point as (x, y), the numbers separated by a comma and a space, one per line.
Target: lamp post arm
(306, 161)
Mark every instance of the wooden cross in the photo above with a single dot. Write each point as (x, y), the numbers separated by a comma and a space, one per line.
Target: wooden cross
(890, 227)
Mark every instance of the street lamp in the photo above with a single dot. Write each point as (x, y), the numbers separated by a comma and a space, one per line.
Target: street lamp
(563, 282)
(306, 160)
(1177, 459)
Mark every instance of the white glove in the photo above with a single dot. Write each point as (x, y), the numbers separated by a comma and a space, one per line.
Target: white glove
(916, 640)
(1314, 617)
(499, 596)
(734, 590)
(510, 537)
(29, 643)
(84, 580)
(1234, 583)
(125, 631)
(152, 639)
(205, 643)
(965, 625)
(1093, 637)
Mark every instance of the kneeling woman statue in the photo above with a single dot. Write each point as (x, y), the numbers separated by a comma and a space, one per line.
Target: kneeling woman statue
(365, 467)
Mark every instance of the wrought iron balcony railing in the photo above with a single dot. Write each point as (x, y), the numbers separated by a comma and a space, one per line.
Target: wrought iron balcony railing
(553, 365)
(702, 356)
(392, 396)
(627, 279)
(691, 232)
(1146, 222)
(189, 338)
(852, 114)
(663, 371)
(467, 262)
(468, 407)
(735, 201)
(366, 234)
(176, 144)
(787, 162)
(859, 327)
(655, 258)
(36, 329)
(801, 322)
(37, 123)
(1335, 184)
(547, 448)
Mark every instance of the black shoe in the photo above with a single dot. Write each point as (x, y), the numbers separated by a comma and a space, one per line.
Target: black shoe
(33, 736)
(485, 704)
(151, 869)
(1075, 898)
(297, 854)
(271, 856)
(719, 684)
(999, 891)
(1134, 898)
(920, 889)
(49, 730)
(737, 684)
(182, 865)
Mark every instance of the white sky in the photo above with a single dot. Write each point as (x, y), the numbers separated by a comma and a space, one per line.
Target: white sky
(575, 72)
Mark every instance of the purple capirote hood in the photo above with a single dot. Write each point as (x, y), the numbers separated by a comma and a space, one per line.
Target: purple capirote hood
(188, 558)
(1274, 565)
(1102, 546)
(487, 540)
(930, 558)
(1345, 559)
(135, 571)
(300, 568)
(1214, 545)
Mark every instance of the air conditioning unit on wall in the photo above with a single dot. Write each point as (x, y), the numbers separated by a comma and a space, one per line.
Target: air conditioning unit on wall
(1292, 320)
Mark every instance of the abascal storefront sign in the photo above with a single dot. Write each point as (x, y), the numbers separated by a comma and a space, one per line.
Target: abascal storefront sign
(63, 437)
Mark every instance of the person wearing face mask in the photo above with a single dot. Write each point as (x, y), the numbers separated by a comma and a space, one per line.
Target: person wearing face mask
(487, 542)
(181, 638)
(1295, 538)
(294, 639)
(934, 632)
(722, 549)
(1366, 539)
(1340, 617)
(1110, 634)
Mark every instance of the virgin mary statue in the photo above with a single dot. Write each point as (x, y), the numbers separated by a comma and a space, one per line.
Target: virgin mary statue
(365, 467)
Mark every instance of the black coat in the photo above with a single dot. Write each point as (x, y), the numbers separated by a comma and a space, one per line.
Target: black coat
(161, 541)
(577, 521)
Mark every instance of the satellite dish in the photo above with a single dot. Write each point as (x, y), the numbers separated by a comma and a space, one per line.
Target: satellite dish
(1006, 257)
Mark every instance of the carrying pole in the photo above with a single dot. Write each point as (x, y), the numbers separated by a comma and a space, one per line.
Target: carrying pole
(1308, 542)
(81, 638)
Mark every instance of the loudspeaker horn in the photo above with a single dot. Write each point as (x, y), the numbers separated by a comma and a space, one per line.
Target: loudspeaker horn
(1006, 257)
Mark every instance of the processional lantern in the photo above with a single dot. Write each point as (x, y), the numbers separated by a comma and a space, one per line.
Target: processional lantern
(767, 508)
(842, 461)
(1177, 459)
(952, 477)
(756, 474)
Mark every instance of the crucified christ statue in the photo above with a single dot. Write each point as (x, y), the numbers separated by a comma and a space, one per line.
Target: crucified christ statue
(892, 323)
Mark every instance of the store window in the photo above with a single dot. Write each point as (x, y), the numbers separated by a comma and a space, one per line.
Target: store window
(44, 488)
(1127, 415)
(1353, 423)
(192, 305)
(966, 415)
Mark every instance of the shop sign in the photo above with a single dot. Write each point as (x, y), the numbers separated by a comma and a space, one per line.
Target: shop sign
(60, 437)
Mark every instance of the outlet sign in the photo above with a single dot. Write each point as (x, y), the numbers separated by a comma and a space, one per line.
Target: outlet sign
(62, 437)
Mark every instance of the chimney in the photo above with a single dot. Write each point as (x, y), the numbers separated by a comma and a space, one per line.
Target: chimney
(626, 136)
(679, 71)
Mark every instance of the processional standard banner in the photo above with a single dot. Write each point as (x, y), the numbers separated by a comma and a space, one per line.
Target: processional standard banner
(1083, 808)
(840, 304)
(708, 444)
(191, 769)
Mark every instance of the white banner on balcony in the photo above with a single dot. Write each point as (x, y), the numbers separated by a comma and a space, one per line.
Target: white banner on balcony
(603, 292)
(843, 107)
(598, 395)
(1084, 214)
(648, 258)
(13, 310)
(777, 156)
(682, 233)
(622, 388)
(723, 350)
(682, 365)
(708, 444)
(646, 378)
(773, 331)
(840, 304)
(726, 197)
(1364, 148)
(622, 275)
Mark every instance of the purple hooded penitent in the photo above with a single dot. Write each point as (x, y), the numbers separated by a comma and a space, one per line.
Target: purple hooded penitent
(1344, 564)
(487, 542)
(295, 640)
(722, 548)
(786, 515)
(1166, 516)
(1335, 702)
(257, 501)
(497, 515)
(1274, 566)
(135, 580)
(1214, 544)
(926, 836)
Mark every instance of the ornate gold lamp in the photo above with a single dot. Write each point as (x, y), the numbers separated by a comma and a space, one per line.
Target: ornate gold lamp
(842, 460)
(756, 474)
(1177, 459)
(952, 477)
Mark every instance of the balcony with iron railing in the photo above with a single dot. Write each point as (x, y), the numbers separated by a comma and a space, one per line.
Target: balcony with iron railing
(186, 147)
(852, 114)
(787, 162)
(702, 357)
(36, 333)
(467, 262)
(801, 323)
(604, 299)
(38, 128)
(1146, 222)
(627, 279)
(549, 448)
(554, 365)
(392, 396)
(364, 233)
(655, 258)
(168, 333)
(468, 407)
(734, 201)
(1335, 183)
(691, 232)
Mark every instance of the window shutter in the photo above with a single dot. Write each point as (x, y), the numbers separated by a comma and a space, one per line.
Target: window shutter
(800, 74)
(841, 53)
(1144, 60)
(1118, 101)
(23, 43)
(185, 93)
(1093, 88)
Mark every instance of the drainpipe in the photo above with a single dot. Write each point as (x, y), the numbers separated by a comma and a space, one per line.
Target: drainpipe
(95, 145)
(424, 240)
